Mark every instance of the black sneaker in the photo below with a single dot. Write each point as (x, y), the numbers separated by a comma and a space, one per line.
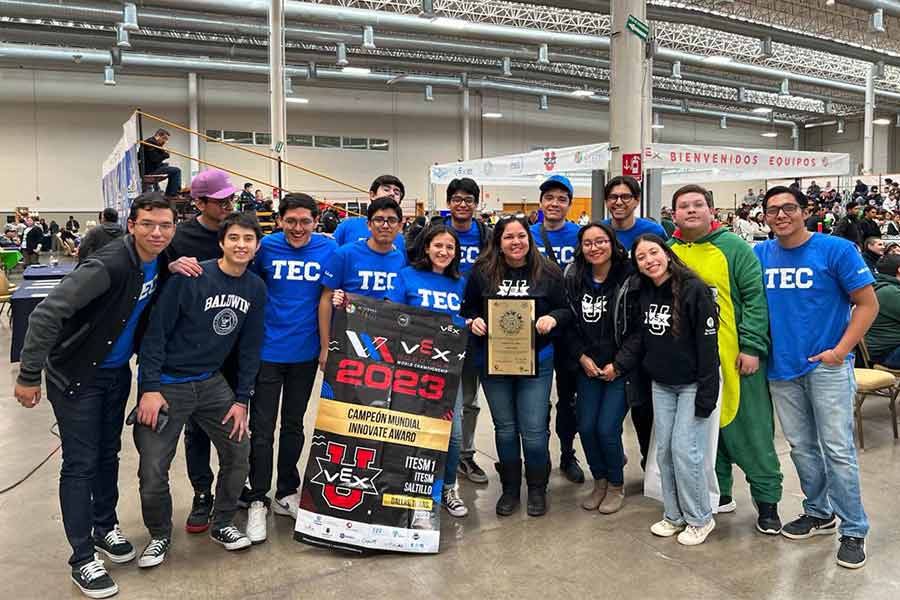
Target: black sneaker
(470, 469)
(198, 520)
(154, 553)
(571, 469)
(852, 553)
(115, 546)
(727, 504)
(93, 580)
(230, 537)
(768, 521)
(806, 526)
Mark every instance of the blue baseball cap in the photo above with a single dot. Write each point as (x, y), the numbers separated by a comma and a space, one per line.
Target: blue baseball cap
(558, 181)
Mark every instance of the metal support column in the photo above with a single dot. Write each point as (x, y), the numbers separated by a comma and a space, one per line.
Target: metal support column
(194, 122)
(630, 89)
(277, 112)
(598, 201)
(466, 123)
(869, 126)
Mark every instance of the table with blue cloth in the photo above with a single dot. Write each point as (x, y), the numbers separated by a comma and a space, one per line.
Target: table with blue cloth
(23, 301)
(43, 272)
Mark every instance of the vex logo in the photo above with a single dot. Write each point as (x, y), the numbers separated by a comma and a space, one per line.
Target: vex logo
(344, 485)
(366, 346)
(427, 348)
(657, 317)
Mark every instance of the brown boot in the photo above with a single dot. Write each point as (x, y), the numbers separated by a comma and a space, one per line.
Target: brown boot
(615, 498)
(596, 497)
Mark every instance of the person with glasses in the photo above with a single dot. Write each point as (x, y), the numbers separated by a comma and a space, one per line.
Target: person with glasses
(557, 239)
(623, 195)
(194, 327)
(727, 264)
(197, 240)
(355, 229)
(290, 264)
(366, 267)
(520, 406)
(593, 283)
(812, 281)
(434, 282)
(82, 335)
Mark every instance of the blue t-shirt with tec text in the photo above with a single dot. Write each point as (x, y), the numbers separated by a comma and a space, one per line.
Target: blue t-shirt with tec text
(469, 244)
(357, 269)
(123, 347)
(430, 290)
(355, 229)
(563, 241)
(626, 237)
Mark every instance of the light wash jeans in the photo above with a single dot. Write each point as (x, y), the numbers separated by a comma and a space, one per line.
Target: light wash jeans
(816, 414)
(681, 440)
(456, 436)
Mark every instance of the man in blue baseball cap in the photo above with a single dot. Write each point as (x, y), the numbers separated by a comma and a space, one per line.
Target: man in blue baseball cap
(556, 238)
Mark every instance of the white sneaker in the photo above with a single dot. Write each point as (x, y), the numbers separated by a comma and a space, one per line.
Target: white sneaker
(665, 528)
(287, 506)
(256, 522)
(453, 503)
(692, 536)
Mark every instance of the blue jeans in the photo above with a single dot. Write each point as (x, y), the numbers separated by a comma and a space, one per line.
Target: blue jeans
(600, 408)
(520, 407)
(453, 450)
(173, 183)
(681, 440)
(90, 427)
(816, 414)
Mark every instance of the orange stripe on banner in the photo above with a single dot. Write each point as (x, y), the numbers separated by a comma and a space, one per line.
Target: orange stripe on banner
(383, 425)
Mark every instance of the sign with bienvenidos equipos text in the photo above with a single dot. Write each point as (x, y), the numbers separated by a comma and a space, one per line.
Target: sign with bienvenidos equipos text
(375, 471)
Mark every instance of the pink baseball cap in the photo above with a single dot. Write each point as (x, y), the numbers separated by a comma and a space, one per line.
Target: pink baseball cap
(212, 183)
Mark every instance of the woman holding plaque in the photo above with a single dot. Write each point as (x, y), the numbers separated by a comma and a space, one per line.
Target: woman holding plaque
(593, 282)
(515, 298)
(433, 282)
(674, 338)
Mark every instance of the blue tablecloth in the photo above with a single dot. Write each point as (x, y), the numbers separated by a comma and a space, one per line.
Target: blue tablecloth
(38, 272)
(23, 301)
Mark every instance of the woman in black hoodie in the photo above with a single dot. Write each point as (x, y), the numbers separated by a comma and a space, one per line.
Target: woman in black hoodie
(674, 338)
(512, 266)
(593, 281)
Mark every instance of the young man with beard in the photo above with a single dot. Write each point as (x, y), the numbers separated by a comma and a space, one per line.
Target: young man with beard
(557, 238)
(197, 240)
(812, 280)
(726, 263)
(83, 335)
(355, 229)
(193, 328)
(290, 263)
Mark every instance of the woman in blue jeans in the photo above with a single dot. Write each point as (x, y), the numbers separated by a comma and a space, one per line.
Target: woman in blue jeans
(512, 266)
(592, 282)
(674, 337)
(433, 282)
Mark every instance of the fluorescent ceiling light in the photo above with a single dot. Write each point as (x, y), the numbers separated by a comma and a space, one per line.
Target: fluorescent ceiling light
(297, 100)
(762, 110)
(770, 134)
(451, 23)
(717, 59)
(357, 70)
(882, 121)
(583, 93)
(492, 115)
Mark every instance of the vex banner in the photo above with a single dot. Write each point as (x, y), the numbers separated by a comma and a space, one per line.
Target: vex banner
(375, 471)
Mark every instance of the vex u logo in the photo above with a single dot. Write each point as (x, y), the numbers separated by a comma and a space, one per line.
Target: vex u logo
(657, 317)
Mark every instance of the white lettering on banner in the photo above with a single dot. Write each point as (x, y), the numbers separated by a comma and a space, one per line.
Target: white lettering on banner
(296, 270)
(227, 301)
(380, 281)
(469, 254)
(440, 300)
(789, 278)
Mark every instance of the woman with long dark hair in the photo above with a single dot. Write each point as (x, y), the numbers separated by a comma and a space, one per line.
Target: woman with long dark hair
(674, 339)
(433, 282)
(512, 266)
(593, 282)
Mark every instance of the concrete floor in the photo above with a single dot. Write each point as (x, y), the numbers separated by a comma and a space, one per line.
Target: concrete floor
(567, 554)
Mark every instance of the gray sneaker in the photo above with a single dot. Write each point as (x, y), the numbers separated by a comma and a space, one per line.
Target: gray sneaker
(471, 471)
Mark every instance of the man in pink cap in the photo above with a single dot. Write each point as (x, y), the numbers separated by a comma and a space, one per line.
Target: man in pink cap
(197, 240)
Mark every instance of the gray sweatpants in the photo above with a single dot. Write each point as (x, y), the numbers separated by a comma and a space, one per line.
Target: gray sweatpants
(207, 402)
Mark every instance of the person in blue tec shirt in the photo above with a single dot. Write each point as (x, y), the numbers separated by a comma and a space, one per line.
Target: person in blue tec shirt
(622, 195)
(811, 282)
(365, 267)
(556, 238)
(434, 282)
(290, 263)
(354, 229)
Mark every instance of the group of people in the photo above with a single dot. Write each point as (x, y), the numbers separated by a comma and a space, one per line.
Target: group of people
(231, 328)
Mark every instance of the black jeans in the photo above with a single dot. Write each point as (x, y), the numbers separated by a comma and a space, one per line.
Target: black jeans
(196, 442)
(297, 381)
(566, 422)
(173, 183)
(206, 402)
(90, 427)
